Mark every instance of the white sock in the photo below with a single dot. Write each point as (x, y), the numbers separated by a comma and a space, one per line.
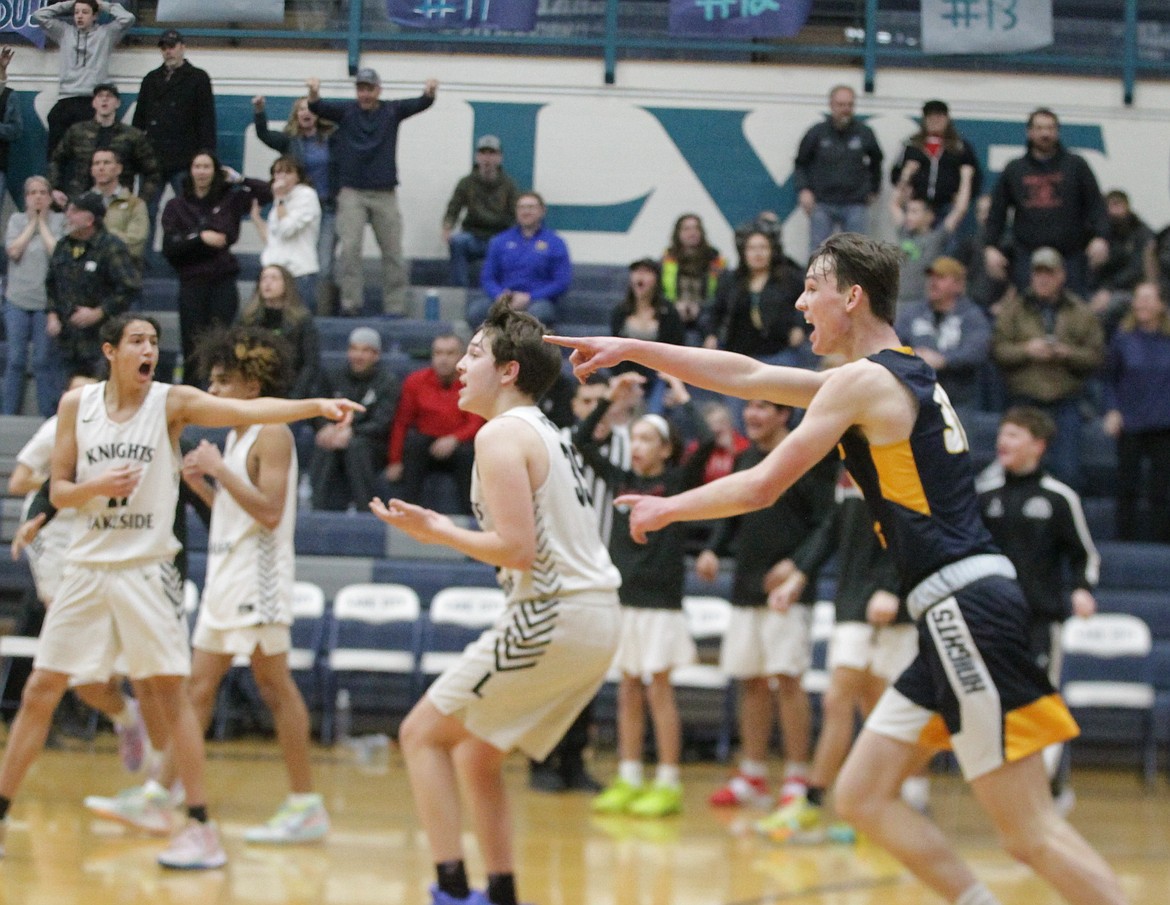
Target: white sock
(630, 771)
(125, 719)
(667, 775)
(797, 772)
(916, 792)
(756, 769)
(977, 894)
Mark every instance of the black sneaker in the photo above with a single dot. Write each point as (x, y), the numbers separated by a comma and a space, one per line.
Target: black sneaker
(579, 780)
(542, 778)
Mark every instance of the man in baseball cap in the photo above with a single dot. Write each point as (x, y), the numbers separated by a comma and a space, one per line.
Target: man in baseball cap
(486, 198)
(170, 38)
(368, 76)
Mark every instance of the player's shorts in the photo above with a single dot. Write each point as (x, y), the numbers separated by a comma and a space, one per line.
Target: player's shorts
(653, 641)
(884, 651)
(762, 642)
(272, 639)
(101, 612)
(46, 558)
(974, 687)
(524, 681)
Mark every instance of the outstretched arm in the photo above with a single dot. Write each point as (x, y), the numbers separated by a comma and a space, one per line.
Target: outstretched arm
(187, 405)
(830, 415)
(724, 372)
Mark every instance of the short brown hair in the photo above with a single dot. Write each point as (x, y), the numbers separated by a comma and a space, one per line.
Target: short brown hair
(1035, 421)
(858, 260)
(518, 336)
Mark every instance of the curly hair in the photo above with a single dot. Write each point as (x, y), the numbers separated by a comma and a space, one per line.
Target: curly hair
(252, 352)
(518, 336)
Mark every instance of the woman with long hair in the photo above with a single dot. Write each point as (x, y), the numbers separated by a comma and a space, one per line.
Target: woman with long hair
(755, 307)
(200, 225)
(646, 314)
(691, 267)
(938, 166)
(291, 229)
(307, 138)
(277, 306)
(1137, 394)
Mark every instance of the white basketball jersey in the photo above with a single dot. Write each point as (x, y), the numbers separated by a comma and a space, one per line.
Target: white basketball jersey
(139, 526)
(249, 567)
(570, 556)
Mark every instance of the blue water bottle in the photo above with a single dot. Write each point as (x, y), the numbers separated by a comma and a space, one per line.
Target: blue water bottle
(431, 308)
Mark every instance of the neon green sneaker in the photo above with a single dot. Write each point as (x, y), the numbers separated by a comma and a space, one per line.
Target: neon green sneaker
(657, 801)
(617, 797)
(797, 821)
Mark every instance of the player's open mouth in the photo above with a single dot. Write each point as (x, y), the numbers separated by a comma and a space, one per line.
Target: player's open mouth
(146, 369)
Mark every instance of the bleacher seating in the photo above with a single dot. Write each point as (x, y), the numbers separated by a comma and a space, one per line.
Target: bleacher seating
(408, 336)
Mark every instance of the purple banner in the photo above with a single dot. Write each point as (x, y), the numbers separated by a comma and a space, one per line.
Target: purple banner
(501, 15)
(15, 18)
(738, 18)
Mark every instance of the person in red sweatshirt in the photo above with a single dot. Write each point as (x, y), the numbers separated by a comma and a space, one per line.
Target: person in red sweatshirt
(430, 433)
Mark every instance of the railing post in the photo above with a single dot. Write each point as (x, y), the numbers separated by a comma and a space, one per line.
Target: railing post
(353, 43)
(1129, 52)
(611, 27)
(871, 13)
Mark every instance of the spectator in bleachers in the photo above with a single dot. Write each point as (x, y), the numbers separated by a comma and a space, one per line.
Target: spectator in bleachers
(949, 332)
(176, 111)
(69, 166)
(306, 138)
(919, 240)
(729, 442)
(348, 457)
(755, 306)
(654, 635)
(691, 268)
(486, 197)
(293, 226)
(1157, 259)
(528, 264)
(91, 277)
(985, 290)
(939, 166)
(200, 225)
(84, 56)
(430, 432)
(276, 305)
(646, 314)
(1112, 283)
(31, 236)
(1137, 398)
(766, 648)
(838, 171)
(1047, 343)
(1038, 523)
(11, 122)
(1054, 201)
(126, 215)
(364, 150)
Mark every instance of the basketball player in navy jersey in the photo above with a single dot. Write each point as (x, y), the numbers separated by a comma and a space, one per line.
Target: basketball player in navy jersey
(973, 685)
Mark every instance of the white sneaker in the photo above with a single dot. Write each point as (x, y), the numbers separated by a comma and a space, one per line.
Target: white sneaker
(195, 847)
(146, 807)
(293, 823)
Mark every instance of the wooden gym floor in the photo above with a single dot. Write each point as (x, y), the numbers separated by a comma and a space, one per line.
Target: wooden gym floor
(375, 855)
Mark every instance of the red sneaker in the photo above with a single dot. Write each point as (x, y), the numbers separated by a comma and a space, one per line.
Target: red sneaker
(742, 790)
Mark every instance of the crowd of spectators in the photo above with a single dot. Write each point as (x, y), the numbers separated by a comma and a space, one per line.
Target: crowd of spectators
(1023, 295)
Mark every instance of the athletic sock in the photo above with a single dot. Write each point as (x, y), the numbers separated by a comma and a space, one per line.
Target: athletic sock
(452, 878)
(501, 889)
(304, 799)
(5, 804)
(124, 719)
(977, 894)
(815, 796)
(753, 768)
(667, 775)
(916, 792)
(197, 812)
(631, 772)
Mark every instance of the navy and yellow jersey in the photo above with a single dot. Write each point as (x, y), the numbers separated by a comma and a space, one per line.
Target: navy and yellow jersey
(921, 490)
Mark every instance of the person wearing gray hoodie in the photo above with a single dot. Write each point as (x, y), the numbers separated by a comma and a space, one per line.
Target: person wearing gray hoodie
(85, 47)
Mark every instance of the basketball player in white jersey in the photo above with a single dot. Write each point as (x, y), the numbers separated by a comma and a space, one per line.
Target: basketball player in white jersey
(246, 608)
(525, 680)
(116, 461)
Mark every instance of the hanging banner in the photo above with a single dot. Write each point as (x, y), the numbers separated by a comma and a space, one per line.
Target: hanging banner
(220, 11)
(738, 18)
(501, 15)
(985, 26)
(16, 16)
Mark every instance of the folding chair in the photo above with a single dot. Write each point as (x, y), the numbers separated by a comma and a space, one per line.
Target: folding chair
(372, 652)
(455, 619)
(1108, 678)
(706, 700)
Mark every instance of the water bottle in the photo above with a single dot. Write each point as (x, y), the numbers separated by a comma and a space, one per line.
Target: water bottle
(342, 717)
(304, 494)
(431, 308)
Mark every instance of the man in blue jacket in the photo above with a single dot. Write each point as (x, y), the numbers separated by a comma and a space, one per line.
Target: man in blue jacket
(365, 148)
(527, 264)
